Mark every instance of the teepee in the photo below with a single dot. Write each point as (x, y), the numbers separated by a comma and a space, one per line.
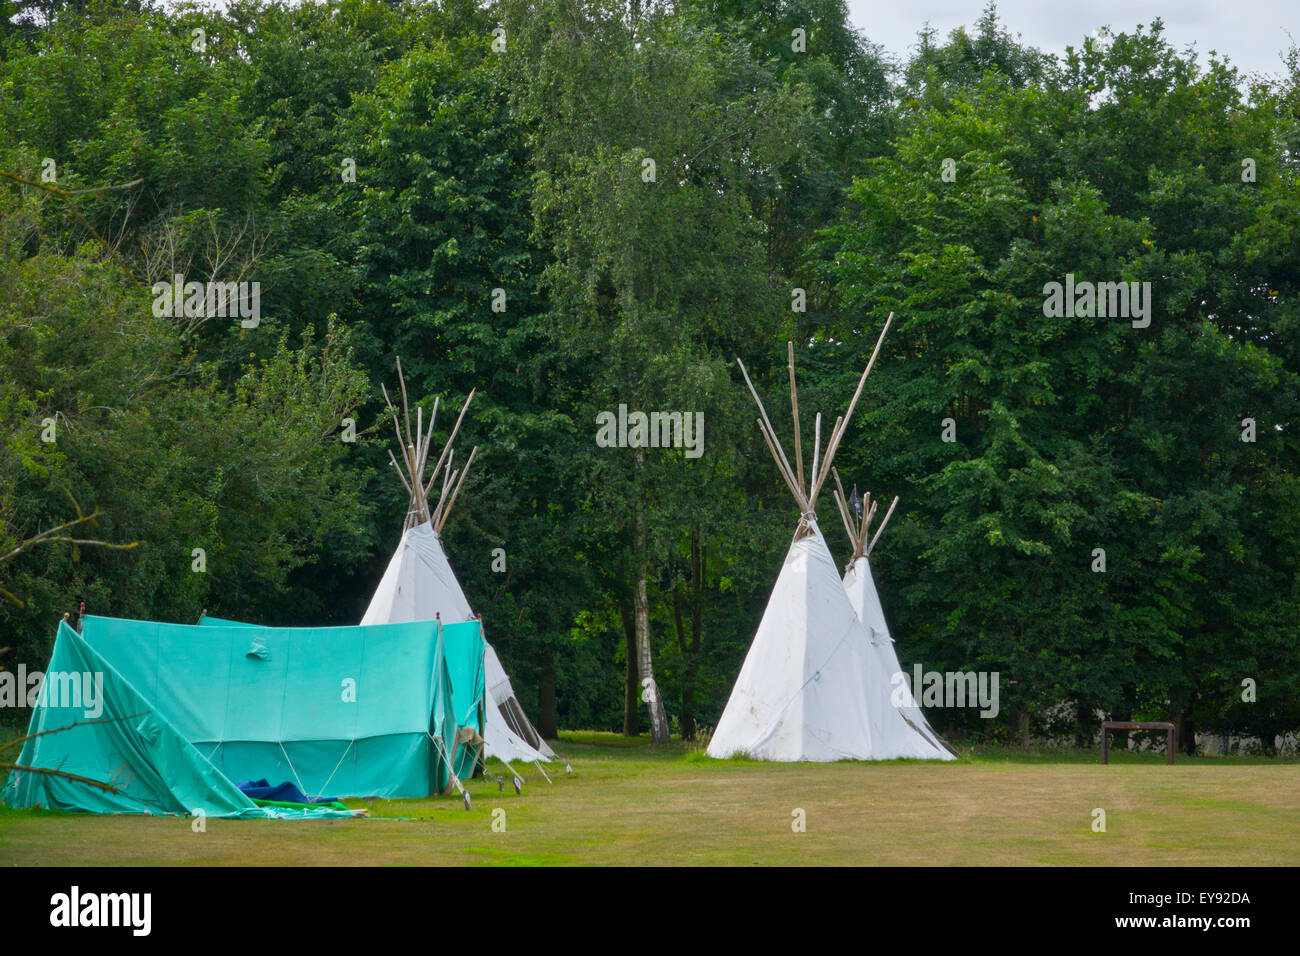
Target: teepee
(811, 687)
(419, 583)
(861, 589)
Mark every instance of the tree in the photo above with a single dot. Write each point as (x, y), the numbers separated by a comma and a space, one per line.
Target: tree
(646, 146)
(1075, 430)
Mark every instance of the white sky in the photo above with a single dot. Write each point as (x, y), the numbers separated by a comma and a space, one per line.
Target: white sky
(1252, 34)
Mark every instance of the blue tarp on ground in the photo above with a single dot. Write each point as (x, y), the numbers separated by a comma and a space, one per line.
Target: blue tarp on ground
(282, 793)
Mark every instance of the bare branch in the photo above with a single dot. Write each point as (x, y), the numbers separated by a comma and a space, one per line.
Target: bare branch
(60, 773)
(53, 535)
(58, 730)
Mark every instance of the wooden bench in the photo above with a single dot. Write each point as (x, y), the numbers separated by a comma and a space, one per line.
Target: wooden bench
(1109, 725)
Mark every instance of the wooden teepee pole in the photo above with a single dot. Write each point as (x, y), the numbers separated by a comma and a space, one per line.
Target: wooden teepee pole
(414, 445)
(450, 439)
(817, 440)
(842, 503)
(884, 522)
(406, 411)
(398, 468)
(397, 425)
(794, 411)
(838, 434)
(427, 440)
(842, 506)
(822, 465)
(869, 515)
(785, 475)
(445, 512)
(770, 434)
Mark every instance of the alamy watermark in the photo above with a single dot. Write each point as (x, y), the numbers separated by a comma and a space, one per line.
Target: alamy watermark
(71, 689)
(1103, 300)
(129, 910)
(946, 689)
(653, 430)
(179, 299)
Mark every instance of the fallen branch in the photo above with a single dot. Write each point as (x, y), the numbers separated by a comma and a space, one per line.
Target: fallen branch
(60, 773)
(75, 723)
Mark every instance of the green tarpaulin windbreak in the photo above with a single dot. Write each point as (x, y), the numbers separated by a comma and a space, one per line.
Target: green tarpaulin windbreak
(90, 722)
(462, 653)
(172, 715)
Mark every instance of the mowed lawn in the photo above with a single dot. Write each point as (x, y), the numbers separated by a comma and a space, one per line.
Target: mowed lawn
(632, 803)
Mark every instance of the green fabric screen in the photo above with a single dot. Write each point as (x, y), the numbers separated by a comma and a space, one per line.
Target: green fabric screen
(339, 711)
(116, 736)
(463, 651)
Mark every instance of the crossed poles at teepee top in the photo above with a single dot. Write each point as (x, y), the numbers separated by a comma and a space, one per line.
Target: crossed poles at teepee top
(794, 476)
(858, 530)
(415, 455)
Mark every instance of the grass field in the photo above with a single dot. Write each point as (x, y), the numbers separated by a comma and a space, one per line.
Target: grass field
(631, 803)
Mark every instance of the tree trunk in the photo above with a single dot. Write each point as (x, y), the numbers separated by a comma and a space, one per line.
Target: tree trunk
(632, 683)
(692, 667)
(1083, 729)
(687, 716)
(547, 724)
(1187, 735)
(641, 604)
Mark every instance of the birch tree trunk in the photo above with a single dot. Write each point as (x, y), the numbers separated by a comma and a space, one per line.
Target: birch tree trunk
(641, 609)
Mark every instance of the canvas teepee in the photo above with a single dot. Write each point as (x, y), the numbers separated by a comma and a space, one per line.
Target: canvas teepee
(419, 583)
(861, 589)
(811, 687)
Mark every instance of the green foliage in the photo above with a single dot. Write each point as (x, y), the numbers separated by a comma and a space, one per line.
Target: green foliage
(1082, 433)
(382, 170)
(253, 474)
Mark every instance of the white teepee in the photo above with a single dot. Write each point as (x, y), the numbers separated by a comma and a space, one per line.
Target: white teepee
(812, 688)
(420, 585)
(803, 692)
(918, 739)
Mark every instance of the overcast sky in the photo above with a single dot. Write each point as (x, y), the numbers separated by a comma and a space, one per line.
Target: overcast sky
(1250, 33)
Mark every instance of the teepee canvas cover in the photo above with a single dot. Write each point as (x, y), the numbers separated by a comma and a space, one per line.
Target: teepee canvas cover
(861, 589)
(803, 690)
(510, 735)
(418, 583)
